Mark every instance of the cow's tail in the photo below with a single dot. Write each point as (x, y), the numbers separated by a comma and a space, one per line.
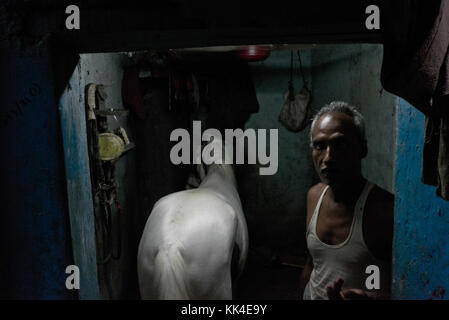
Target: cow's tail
(170, 274)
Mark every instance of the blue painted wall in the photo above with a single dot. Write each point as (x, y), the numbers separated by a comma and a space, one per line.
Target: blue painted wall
(34, 227)
(117, 279)
(80, 203)
(421, 240)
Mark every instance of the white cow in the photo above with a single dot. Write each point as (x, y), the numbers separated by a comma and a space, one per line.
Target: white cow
(187, 245)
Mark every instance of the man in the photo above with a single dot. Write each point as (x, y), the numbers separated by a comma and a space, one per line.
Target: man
(349, 219)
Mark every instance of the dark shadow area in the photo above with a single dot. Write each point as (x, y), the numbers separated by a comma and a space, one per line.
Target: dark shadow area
(270, 275)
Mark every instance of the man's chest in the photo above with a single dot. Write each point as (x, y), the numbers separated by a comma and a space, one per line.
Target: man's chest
(334, 224)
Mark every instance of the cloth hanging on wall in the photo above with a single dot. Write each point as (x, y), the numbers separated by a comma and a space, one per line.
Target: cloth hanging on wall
(295, 111)
(415, 67)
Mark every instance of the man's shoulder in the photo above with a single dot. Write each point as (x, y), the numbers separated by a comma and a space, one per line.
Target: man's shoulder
(314, 194)
(316, 190)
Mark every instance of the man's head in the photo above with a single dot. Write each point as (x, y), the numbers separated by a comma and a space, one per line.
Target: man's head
(337, 137)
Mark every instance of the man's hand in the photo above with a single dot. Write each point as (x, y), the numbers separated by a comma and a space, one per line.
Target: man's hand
(355, 294)
(334, 292)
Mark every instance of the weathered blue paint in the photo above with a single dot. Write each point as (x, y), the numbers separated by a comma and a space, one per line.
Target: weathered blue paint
(34, 228)
(421, 240)
(107, 69)
(80, 202)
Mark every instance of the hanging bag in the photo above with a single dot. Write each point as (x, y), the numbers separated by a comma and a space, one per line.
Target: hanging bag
(295, 111)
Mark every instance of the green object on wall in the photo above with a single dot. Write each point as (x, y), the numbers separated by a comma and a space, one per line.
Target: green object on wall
(110, 146)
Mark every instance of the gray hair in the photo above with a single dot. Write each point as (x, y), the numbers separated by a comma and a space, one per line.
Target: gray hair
(343, 107)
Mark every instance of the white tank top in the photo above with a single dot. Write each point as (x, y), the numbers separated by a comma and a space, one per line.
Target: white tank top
(347, 260)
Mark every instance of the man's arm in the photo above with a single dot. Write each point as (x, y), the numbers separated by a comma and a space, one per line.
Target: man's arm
(312, 199)
(334, 292)
(305, 276)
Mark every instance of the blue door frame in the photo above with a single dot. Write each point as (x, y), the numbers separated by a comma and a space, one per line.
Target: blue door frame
(80, 202)
(35, 238)
(421, 238)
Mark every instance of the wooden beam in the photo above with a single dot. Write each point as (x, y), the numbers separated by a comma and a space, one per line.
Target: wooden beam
(133, 26)
(144, 40)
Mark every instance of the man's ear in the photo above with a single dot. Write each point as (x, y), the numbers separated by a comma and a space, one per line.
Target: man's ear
(364, 148)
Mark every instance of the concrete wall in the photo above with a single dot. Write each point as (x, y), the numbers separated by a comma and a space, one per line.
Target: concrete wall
(351, 73)
(107, 69)
(275, 204)
(117, 278)
(144, 175)
(421, 242)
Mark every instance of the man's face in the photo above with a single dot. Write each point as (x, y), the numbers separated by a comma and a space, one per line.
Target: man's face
(337, 149)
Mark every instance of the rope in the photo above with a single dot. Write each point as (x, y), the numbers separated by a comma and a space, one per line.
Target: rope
(291, 68)
(302, 71)
(291, 94)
